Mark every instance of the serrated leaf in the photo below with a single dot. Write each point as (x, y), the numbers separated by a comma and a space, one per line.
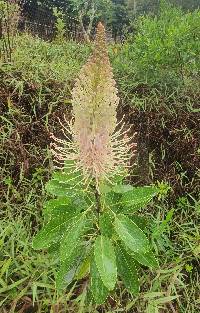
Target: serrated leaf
(59, 205)
(52, 232)
(68, 267)
(56, 189)
(146, 259)
(65, 276)
(56, 203)
(112, 200)
(106, 261)
(137, 198)
(59, 189)
(70, 178)
(72, 236)
(99, 291)
(127, 270)
(132, 236)
(53, 250)
(116, 188)
(140, 221)
(80, 203)
(106, 224)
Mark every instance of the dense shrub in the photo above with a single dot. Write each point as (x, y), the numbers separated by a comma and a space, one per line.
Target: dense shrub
(39, 61)
(158, 74)
(165, 50)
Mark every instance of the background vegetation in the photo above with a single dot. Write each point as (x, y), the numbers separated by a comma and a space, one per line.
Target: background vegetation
(157, 73)
(82, 15)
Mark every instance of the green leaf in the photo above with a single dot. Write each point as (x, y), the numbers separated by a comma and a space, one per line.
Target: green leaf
(57, 203)
(70, 178)
(72, 236)
(106, 261)
(68, 267)
(147, 259)
(137, 198)
(84, 268)
(112, 200)
(54, 249)
(104, 188)
(106, 224)
(56, 189)
(52, 232)
(60, 189)
(127, 270)
(80, 203)
(122, 188)
(140, 221)
(99, 291)
(131, 234)
(60, 205)
(116, 189)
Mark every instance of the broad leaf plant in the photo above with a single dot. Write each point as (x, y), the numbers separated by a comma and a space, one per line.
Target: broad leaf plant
(92, 225)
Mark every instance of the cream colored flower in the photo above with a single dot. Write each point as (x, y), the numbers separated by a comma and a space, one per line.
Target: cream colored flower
(92, 139)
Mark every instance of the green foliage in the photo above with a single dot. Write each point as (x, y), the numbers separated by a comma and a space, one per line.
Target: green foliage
(60, 25)
(106, 261)
(42, 64)
(53, 231)
(106, 224)
(146, 259)
(131, 235)
(163, 52)
(68, 267)
(71, 237)
(88, 12)
(137, 198)
(71, 248)
(75, 227)
(127, 270)
(128, 199)
(98, 289)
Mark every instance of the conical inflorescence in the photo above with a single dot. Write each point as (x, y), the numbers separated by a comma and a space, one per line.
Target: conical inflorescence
(93, 140)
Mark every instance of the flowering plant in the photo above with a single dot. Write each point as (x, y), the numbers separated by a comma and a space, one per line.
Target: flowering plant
(92, 219)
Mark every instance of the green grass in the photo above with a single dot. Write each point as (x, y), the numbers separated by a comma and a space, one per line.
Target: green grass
(34, 92)
(28, 276)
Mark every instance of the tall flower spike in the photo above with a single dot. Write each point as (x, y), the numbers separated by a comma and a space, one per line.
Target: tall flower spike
(98, 149)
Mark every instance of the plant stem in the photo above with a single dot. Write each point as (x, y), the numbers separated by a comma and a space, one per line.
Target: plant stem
(98, 203)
